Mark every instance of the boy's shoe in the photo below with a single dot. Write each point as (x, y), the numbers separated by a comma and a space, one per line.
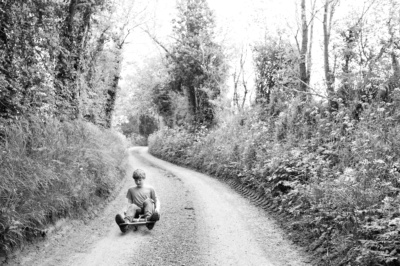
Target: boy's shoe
(119, 220)
(150, 225)
(154, 217)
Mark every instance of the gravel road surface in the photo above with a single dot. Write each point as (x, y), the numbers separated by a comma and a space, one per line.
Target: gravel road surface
(203, 222)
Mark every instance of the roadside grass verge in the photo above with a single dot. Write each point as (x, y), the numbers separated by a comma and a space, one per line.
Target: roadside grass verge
(334, 179)
(50, 170)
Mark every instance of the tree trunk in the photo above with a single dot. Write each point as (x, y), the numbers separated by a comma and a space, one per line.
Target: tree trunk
(310, 44)
(395, 65)
(327, 70)
(304, 81)
(110, 102)
(236, 77)
(191, 93)
(65, 85)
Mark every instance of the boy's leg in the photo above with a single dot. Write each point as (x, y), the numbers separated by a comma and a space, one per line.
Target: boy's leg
(149, 213)
(148, 207)
(132, 212)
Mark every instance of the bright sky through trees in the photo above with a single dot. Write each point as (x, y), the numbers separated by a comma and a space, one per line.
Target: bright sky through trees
(239, 24)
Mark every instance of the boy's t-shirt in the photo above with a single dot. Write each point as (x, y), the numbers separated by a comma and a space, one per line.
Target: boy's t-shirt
(138, 195)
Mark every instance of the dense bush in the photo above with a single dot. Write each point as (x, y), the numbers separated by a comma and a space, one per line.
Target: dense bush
(336, 176)
(49, 170)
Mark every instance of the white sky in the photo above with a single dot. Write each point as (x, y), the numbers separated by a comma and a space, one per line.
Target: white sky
(238, 22)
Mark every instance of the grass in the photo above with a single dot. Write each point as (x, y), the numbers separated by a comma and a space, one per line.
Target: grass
(50, 170)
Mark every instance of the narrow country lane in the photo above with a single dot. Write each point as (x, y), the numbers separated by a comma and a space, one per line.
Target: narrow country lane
(203, 222)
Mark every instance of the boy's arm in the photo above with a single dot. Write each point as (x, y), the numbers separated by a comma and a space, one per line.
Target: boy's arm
(129, 197)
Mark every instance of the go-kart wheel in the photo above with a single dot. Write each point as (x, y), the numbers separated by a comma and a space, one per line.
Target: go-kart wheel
(123, 228)
(119, 220)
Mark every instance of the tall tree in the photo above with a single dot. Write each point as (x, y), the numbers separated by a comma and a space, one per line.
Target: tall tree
(306, 27)
(368, 68)
(27, 43)
(239, 81)
(196, 60)
(329, 10)
(304, 78)
(276, 68)
(394, 41)
(74, 34)
(60, 58)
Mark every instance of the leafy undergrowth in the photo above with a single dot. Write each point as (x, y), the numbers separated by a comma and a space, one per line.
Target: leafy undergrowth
(335, 180)
(50, 170)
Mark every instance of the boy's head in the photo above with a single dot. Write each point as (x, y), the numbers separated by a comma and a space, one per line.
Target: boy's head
(139, 176)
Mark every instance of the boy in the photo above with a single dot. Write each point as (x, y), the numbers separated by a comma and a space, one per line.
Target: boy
(142, 201)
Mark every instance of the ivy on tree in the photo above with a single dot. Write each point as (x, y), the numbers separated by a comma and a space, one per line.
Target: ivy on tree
(53, 60)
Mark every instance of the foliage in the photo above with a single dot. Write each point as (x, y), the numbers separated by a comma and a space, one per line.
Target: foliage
(59, 64)
(196, 62)
(147, 125)
(130, 127)
(58, 58)
(162, 98)
(336, 177)
(276, 70)
(50, 170)
(144, 95)
(139, 128)
(331, 167)
(365, 49)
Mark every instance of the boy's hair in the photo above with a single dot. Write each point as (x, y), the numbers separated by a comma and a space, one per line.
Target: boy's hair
(139, 173)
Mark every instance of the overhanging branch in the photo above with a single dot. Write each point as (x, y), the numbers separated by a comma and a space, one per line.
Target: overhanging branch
(160, 44)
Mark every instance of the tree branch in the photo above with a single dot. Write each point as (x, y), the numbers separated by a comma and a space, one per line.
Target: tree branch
(306, 92)
(160, 44)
